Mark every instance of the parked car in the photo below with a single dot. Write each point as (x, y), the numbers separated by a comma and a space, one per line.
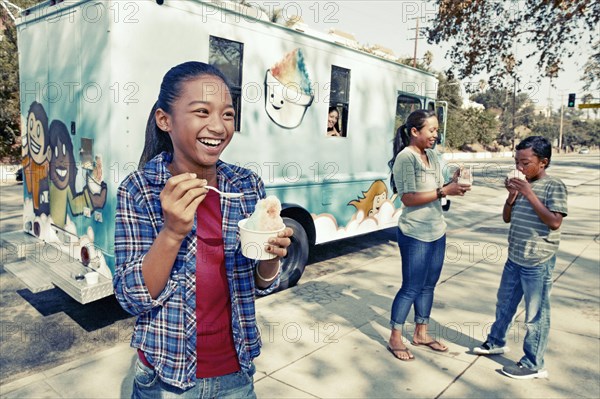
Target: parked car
(584, 150)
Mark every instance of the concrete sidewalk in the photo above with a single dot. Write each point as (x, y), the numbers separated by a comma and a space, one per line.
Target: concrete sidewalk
(327, 338)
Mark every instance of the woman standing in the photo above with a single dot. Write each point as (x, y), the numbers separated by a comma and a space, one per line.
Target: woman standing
(417, 178)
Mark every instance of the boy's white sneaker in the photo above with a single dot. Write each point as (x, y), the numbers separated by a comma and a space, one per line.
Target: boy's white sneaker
(489, 349)
(521, 372)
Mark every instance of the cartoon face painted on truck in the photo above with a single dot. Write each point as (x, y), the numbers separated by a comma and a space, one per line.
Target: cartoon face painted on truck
(35, 160)
(288, 90)
(63, 172)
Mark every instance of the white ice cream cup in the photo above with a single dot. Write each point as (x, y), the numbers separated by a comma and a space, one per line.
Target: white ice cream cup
(253, 242)
(516, 174)
(91, 278)
(466, 175)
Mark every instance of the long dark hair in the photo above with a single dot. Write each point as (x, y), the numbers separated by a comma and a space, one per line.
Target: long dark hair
(402, 138)
(158, 140)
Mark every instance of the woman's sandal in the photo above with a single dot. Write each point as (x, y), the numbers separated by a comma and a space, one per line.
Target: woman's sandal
(430, 345)
(405, 350)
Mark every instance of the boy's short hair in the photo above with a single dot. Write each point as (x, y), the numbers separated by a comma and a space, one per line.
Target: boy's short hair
(540, 146)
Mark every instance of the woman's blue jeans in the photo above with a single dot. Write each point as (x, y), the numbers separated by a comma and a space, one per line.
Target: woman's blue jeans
(421, 268)
(533, 283)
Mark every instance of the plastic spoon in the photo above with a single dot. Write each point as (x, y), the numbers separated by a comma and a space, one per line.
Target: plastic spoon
(226, 195)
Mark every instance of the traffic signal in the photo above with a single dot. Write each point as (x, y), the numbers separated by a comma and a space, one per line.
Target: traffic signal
(571, 103)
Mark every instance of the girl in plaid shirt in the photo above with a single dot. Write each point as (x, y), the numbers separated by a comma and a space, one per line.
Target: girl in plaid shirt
(179, 266)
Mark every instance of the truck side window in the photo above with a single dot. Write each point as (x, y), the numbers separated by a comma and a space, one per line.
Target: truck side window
(405, 104)
(339, 102)
(228, 56)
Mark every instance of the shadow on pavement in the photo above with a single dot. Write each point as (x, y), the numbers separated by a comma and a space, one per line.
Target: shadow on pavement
(91, 317)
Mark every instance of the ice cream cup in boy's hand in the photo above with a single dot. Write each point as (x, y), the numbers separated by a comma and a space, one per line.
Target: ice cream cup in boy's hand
(263, 224)
(516, 174)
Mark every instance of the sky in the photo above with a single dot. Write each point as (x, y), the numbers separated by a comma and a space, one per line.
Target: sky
(391, 24)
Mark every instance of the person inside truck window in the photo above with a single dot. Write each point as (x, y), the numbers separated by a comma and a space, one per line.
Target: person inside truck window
(178, 261)
(333, 122)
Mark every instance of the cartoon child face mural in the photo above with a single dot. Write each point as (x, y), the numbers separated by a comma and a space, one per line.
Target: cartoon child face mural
(62, 164)
(37, 133)
(62, 179)
(288, 90)
(372, 199)
(35, 160)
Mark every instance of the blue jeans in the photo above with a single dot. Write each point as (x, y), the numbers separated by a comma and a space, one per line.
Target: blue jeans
(534, 284)
(147, 384)
(421, 268)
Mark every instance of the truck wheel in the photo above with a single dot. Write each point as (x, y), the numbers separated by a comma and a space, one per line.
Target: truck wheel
(292, 266)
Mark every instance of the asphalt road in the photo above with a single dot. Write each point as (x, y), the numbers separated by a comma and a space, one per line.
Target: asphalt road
(44, 330)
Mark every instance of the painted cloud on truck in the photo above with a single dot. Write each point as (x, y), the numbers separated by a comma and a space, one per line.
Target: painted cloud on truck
(288, 90)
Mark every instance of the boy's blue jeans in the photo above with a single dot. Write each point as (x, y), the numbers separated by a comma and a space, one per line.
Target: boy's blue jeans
(421, 268)
(534, 284)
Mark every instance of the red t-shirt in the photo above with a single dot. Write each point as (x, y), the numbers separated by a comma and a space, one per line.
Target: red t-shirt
(214, 345)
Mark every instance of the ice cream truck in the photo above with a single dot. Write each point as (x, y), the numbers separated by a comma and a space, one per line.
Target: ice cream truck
(90, 72)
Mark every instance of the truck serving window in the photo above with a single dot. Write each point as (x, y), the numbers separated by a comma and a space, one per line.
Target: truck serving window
(228, 56)
(404, 106)
(339, 102)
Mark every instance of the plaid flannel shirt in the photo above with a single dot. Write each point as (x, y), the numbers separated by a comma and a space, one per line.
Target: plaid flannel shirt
(166, 326)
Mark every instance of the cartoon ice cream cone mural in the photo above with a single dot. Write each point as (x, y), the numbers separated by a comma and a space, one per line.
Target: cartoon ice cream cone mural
(288, 90)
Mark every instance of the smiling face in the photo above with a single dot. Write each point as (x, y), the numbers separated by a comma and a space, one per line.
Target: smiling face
(378, 200)
(426, 137)
(201, 124)
(332, 119)
(62, 163)
(285, 104)
(532, 166)
(37, 126)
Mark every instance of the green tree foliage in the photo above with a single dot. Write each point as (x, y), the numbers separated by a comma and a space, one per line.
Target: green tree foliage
(449, 90)
(485, 34)
(591, 71)
(470, 126)
(513, 110)
(465, 125)
(10, 148)
(577, 129)
(547, 127)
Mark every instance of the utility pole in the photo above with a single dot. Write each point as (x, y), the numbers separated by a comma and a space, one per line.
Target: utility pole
(514, 130)
(560, 130)
(416, 40)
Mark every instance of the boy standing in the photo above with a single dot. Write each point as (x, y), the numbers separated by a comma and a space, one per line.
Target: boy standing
(535, 208)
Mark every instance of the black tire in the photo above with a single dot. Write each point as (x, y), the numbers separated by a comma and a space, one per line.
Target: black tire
(292, 266)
